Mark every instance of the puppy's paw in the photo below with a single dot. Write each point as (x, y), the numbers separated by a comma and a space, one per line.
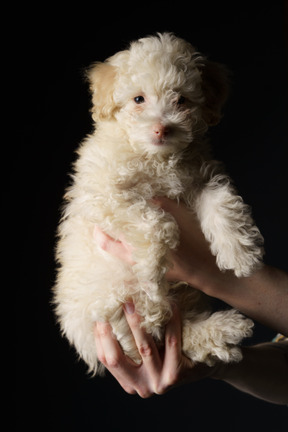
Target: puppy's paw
(227, 225)
(216, 338)
(239, 253)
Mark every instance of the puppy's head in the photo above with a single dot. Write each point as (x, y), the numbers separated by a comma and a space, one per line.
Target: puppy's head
(161, 91)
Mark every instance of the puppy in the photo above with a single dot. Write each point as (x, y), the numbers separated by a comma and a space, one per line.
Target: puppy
(152, 105)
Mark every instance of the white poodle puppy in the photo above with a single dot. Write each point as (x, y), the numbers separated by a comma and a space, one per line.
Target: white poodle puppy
(152, 105)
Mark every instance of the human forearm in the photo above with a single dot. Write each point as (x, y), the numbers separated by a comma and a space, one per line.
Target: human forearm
(262, 296)
(263, 372)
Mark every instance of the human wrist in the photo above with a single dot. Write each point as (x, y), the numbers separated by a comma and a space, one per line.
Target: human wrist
(220, 371)
(212, 282)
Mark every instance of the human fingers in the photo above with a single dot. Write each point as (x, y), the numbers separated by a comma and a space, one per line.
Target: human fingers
(173, 348)
(175, 364)
(132, 377)
(110, 354)
(177, 368)
(118, 248)
(108, 349)
(152, 362)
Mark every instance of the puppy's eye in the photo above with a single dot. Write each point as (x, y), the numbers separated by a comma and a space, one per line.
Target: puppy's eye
(139, 99)
(181, 100)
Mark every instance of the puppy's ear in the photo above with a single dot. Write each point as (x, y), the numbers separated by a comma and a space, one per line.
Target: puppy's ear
(215, 87)
(101, 77)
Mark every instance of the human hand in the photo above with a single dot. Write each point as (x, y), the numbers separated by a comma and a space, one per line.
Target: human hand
(160, 370)
(192, 261)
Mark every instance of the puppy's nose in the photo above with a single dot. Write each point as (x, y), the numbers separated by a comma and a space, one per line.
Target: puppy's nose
(160, 131)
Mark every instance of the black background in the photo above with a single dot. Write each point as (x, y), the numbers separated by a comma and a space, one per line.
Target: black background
(49, 108)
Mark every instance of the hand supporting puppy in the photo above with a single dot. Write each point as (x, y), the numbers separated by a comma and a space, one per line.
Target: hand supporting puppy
(159, 370)
(257, 296)
(263, 370)
(261, 373)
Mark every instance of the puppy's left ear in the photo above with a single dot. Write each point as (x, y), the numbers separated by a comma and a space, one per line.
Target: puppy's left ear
(101, 77)
(215, 87)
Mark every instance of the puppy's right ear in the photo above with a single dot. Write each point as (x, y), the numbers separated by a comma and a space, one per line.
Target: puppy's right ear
(215, 86)
(101, 77)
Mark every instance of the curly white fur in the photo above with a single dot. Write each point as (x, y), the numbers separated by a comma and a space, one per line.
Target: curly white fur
(144, 147)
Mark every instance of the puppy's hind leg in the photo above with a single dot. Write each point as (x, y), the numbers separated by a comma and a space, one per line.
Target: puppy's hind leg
(212, 338)
(228, 226)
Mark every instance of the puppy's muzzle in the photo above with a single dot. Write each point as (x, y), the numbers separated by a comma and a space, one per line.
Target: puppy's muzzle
(160, 133)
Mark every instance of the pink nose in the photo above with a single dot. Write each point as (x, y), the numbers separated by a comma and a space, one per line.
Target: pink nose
(160, 131)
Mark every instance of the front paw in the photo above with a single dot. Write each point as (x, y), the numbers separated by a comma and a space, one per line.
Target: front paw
(239, 253)
(228, 226)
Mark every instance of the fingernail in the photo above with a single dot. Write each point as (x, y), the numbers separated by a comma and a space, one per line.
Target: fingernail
(129, 308)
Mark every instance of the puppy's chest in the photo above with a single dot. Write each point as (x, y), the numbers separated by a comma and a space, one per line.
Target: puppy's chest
(151, 179)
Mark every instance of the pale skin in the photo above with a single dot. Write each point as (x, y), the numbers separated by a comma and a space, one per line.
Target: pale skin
(263, 372)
